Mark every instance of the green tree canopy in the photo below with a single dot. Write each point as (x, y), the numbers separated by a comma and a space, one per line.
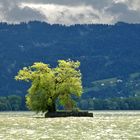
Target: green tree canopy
(51, 84)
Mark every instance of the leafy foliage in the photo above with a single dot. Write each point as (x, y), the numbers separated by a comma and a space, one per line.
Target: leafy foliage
(130, 103)
(51, 84)
(120, 86)
(11, 103)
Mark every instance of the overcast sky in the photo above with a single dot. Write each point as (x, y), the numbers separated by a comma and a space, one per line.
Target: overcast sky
(70, 11)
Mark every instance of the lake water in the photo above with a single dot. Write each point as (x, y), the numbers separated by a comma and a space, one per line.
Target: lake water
(123, 125)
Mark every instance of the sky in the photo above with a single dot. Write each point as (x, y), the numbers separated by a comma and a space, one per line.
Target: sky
(70, 12)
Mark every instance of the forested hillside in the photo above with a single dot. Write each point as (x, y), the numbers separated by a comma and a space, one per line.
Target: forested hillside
(109, 55)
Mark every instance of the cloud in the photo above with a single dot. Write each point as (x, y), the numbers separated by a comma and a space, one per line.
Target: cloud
(64, 14)
(122, 12)
(17, 14)
(12, 12)
(70, 11)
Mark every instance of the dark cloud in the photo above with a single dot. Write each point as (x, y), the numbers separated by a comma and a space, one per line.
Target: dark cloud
(69, 12)
(123, 13)
(26, 14)
(11, 12)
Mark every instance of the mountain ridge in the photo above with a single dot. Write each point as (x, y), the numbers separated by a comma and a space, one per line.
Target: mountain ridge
(105, 51)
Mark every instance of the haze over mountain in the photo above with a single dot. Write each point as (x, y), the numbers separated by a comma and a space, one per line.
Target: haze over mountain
(105, 51)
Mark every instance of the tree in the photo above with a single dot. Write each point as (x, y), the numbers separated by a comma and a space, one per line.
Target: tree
(14, 102)
(3, 104)
(49, 85)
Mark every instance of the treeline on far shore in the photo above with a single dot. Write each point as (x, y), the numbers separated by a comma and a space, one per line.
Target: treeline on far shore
(12, 103)
(127, 103)
(17, 103)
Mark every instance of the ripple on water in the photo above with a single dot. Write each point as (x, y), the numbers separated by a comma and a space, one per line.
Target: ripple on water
(104, 125)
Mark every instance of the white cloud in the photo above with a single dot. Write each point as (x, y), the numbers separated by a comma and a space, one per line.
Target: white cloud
(120, 1)
(70, 11)
(69, 14)
(134, 4)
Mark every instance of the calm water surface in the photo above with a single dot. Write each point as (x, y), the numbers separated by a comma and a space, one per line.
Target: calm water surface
(103, 126)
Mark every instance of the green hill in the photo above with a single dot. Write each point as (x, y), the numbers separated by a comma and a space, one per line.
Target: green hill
(110, 52)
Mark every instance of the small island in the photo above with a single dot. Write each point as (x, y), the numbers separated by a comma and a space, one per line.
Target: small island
(68, 114)
(51, 86)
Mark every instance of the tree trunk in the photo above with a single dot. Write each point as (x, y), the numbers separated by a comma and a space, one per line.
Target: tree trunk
(52, 108)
